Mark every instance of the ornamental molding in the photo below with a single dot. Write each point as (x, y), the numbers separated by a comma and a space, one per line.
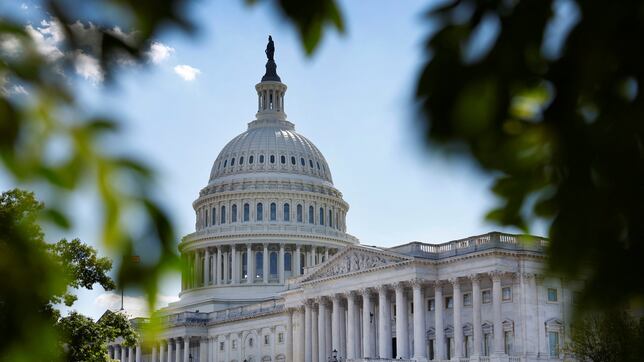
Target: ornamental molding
(353, 260)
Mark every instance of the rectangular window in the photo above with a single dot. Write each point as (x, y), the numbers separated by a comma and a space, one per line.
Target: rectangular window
(507, 342)
(449, 302)
(266, 339)
(411, 307)
(552, 295)
(431, 349)
(506, 294)
(553, 343)
(431, 305)
(487, 343)
(449, 346)
(486, 296)
(468, 346)
(234, 344)
(467, 299)
(221, 346)
(280, 337)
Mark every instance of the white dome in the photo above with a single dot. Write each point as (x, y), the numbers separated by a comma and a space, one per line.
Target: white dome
(270, 147)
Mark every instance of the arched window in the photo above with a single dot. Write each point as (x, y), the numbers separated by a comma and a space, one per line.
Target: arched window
(261, 158)
(287, 261)
(273, 211)
(299, 213)
(232, 162)
(330, 218)
(222, 215)
(292, 160)
(287, 212)
(272, 158)
(310, 164)
(214, 215)
(205, 216)
(233, 213)
(321, 216)
(225, 163)
(316, 162)
(302, 161)
(244, 265)
(260, 212)
(273, 264)
(283, 159)
(246, 212)
(251, 159)
(259, 264)
(311, 215)
(241, 160)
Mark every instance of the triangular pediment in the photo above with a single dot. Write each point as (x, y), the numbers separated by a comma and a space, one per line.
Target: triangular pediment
(356, 259)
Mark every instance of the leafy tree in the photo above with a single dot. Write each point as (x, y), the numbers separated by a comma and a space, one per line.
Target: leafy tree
(36, 277)
(607, 337)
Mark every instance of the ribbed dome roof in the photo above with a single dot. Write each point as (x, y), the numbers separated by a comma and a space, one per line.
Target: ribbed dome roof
(270, 147)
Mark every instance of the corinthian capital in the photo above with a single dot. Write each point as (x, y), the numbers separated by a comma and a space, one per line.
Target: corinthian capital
(417, 283)
(496, 275)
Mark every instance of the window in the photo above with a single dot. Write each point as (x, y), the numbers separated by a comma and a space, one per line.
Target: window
(487, 343)
(287, 262)
(260, 212)
(250, 342)
(214, 215)
(330, 218)
(316, 162)
(241, 160)
(251, 159)
(507, 342)
(287, 212)
(310, 163)
(468, 346)
(553, 343)
(266, 339)
(261, 158)
(299, 213)
(486, 295)
(292, 160)
(467, 299)
(244, 259)
(273, 263)
(272, 158)
(321, 216)
(552, 295)
(259, 264)
(302, 162)
(431, 305)
(234, 344)
(311, 216)
(233, 213)
(223, 215)
(246, 212)
(225, 163)
(283, 159)
(232, 162)
(206, 216)
(506, 294)
(280, 337)
(449, 302)
(449, 344)
(273, 211)
(221, 346)
(431, 349)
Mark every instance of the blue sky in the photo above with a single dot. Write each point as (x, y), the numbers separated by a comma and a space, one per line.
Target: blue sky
(353, 99)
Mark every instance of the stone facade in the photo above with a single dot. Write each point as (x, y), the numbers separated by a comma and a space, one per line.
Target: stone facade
(274, 276)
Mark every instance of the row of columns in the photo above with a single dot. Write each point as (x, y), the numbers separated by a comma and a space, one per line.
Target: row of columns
(163, 351)
(356, 337)
(223, 255)
(125, 354)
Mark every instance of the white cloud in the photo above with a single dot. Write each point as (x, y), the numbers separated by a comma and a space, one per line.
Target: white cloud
(24, 6)
(187, 72)
(46, 38)
(159, 52)
(88, 67)
(134, 306)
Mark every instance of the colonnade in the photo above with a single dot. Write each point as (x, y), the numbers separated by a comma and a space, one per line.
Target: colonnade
(125, 354)
(325, 329)
(221, 265)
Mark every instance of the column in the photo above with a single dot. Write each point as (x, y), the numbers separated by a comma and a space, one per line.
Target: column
(308, 323)
(266, 263)
(531, 341)
(206, 268)
(439, 343)
(384, 323)
(496, 308)
(301, 336)
(280, 263)
(458, 325)
(196, 269)
(352, 314)
(326, 254)
(226, 268)
(402, 338)
(155, 350)
(130, 354)
(289, 336)
(139, 356)
(321, 330)
(314, 333)
(203, 349)
(186, 349)
(476, 314)
(161, 352)
(177, 351)
(420, 352)
(233, 264)
(297, 266)
(335, 323)
(217, 267)
(250, 264)
(169, 356)
(342, 352)
(367, 324)
(117, 352)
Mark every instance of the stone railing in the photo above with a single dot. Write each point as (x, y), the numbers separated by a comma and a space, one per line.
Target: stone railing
(473, 244)
(270, 228)
(246, 311)
(186, 318)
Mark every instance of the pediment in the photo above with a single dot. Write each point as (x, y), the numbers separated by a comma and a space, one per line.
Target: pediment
(356, 259)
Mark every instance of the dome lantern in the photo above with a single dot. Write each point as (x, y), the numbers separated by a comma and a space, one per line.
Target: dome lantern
(270, 91)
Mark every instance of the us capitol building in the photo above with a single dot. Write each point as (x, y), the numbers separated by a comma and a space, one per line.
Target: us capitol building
(274, 275)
